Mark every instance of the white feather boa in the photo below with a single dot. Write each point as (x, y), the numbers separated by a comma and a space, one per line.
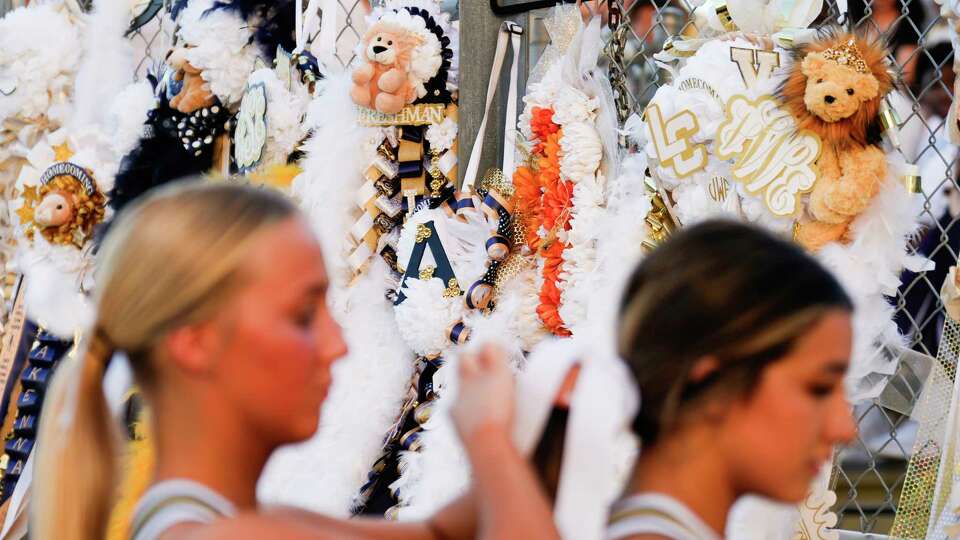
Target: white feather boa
(220, 47)
(440, 471)
(869, 268)
(326, 472)
(108, 63)
(39, 55)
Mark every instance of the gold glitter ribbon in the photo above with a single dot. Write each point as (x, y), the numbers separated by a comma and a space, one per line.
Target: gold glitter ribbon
(912, 180)
(723, 14)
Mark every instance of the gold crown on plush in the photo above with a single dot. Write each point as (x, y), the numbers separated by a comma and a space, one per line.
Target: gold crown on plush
(847, 54)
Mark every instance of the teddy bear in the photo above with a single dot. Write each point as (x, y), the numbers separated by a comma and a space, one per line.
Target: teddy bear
(194, 93)
(382, 81)
(835, 89)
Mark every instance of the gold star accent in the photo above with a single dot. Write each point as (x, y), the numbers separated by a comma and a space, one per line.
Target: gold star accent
(25, 212)
(62, 152)
(30, 195)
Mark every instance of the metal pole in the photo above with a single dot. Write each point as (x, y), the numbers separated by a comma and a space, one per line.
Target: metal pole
(478, 39)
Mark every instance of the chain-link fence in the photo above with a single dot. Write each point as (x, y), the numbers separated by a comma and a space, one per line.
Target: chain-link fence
(869, 475)
(152, 41)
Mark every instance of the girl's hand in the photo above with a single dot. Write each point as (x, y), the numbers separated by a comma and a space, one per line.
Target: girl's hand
(486, 395)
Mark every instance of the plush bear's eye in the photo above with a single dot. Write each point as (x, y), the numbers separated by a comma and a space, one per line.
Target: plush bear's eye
(379, 38)
(849, 91)
(819, 81)
(389, 43)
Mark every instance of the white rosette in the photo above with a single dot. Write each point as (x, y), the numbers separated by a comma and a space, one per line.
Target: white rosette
(572, 105)
(442, 136)
(701, 196)
(284, 116)
(426, 314)
(581, 151)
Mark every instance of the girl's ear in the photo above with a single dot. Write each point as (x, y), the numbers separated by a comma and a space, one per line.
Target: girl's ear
(192, 348)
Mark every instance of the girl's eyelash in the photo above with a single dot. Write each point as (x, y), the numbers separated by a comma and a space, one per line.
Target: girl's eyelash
(821, 390)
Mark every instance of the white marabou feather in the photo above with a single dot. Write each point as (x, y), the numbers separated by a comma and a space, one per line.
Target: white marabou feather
(107, 66)
(326, 472)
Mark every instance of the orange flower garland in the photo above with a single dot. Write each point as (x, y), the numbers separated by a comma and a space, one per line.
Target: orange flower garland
(526, 204)
(544, 201)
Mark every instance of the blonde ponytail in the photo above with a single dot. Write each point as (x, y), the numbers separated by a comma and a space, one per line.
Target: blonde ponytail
(169, 260)
(77, 440)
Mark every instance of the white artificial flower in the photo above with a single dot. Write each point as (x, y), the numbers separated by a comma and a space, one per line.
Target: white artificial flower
(441, 136)
(756, 211)
(581, 151)
(571, 105)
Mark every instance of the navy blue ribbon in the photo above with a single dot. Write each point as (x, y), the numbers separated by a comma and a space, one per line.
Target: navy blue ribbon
(493, 202)
(412, 134)
(469, 300)
(458, 331)
(411, 169)
(494, 241)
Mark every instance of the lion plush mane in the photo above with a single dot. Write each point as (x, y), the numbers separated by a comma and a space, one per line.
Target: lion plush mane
(864, 126)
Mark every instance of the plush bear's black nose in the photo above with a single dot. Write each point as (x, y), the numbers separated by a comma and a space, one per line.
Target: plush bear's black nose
(377, 49)
(829, 99)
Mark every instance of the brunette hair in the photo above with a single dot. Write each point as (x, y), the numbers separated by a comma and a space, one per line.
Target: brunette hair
(719, 289)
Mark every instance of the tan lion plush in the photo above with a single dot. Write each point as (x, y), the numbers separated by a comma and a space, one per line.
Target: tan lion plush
(835, 89)
(382, 82)
(195, 93)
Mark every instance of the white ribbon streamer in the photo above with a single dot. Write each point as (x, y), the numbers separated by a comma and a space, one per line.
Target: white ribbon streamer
(325, 46)
(511, 31)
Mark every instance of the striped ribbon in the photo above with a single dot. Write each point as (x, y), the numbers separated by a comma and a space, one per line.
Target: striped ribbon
(378, 214)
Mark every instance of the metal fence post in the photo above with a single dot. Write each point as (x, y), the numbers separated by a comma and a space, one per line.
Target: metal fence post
(478, 40)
